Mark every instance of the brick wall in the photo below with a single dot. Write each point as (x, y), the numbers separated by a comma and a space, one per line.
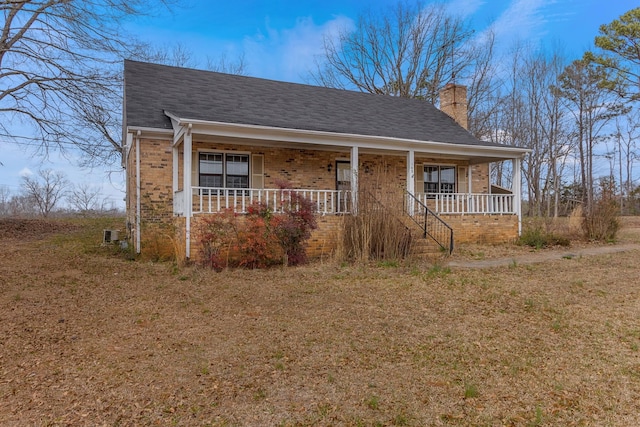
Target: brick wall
(155, 180)
(492, 229)
(453, 102)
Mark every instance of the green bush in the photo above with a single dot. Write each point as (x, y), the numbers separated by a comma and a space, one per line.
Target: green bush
(538, 238)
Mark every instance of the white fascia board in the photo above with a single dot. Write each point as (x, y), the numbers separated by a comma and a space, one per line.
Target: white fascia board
(178, 134)
(175, 120)
(126, 149)
(147, 132)
(346, 140)
(179, 129)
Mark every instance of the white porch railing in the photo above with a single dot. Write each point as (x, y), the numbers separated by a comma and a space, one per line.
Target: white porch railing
(469, 203)
(329, 202)
(213, 200)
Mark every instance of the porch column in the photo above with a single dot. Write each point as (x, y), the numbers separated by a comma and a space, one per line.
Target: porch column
(517, 192)
(470, 200)
(411, 180)
(186, 187)
(354, 179)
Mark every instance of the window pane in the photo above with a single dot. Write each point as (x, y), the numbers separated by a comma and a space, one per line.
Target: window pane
(344, 172)
(237, 171)
(210, 180)
(448, 174)
(430, 187)
(210, 163)
(234, 174)
(439, 179)
(447, 188)
(430, 174)
(235, 181)
(237, 165)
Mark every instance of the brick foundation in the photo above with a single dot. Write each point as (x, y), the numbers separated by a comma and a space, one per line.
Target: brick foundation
(492, 229)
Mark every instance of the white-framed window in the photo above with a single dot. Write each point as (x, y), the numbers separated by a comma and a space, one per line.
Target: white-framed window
(439, 179)
(223, 170)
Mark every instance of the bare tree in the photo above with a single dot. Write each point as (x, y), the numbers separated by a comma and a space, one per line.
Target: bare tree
(589, 92)
(85, 198)
(60, 72)
(410, 51)
(5, 197)
(225, 65)
(46, 189)
(179, 55)
(22, 205)
(626, 136)
(530, 115)
(483, 87)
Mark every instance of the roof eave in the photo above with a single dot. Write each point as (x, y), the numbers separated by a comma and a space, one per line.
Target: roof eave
(344, 140)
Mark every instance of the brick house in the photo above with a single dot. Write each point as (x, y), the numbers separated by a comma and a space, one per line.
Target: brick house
(197, 142)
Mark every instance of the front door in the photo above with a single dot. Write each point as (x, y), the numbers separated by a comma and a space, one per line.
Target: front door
(343, 185)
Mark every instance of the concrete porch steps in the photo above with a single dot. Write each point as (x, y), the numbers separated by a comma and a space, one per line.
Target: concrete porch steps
(421, 247)
(425, 248)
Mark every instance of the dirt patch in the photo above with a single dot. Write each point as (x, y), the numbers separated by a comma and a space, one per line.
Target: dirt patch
(20, 228)
(87, 338)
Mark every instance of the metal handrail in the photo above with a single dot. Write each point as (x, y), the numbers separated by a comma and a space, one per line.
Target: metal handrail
(430, 223)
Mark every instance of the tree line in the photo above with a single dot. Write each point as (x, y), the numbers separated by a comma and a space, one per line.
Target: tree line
(49, 193)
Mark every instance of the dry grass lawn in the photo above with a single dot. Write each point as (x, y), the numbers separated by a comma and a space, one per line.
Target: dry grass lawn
(88, 338)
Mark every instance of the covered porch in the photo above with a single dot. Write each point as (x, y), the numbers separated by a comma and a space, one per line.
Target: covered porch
(221, 166)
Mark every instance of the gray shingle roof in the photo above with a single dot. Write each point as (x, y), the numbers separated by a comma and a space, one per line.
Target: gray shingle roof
(150, 89)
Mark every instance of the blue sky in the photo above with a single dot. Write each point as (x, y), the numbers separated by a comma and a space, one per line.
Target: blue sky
(280, 38)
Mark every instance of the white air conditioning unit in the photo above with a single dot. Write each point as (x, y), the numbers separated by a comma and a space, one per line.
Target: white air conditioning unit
(110, 236)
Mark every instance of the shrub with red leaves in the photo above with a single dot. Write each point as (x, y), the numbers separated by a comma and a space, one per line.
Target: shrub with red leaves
(263, 238)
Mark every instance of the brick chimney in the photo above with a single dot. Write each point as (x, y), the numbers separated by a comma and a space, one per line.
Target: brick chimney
(453, 102)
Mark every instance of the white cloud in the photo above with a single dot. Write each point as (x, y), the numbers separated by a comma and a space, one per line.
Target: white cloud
(25, 172)
(465, 8)
(522, 20)
(288, 54)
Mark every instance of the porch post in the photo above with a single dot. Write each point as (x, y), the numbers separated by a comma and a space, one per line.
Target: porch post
(517, 192)
(354, 179)
(186, 184)
(470, 200)
(411, 180)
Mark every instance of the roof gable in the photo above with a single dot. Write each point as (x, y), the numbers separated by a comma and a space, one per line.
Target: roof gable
(151, 89)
